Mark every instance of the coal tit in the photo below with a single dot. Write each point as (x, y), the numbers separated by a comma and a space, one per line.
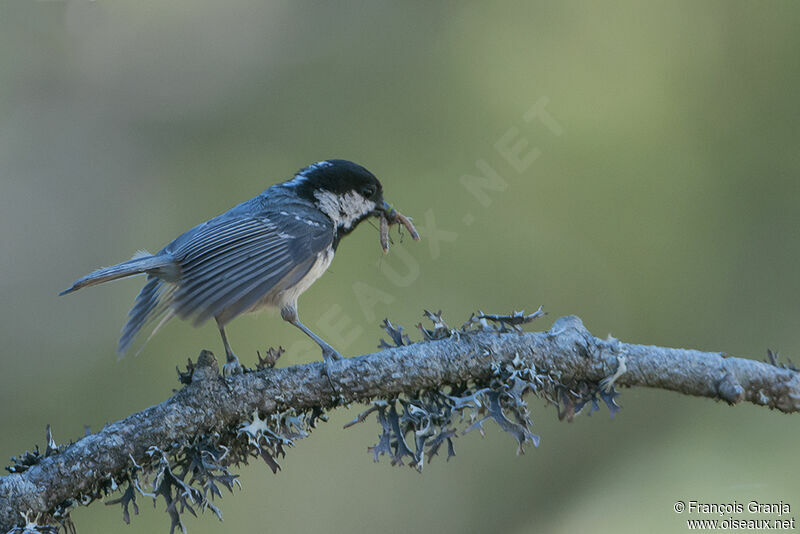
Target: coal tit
(265, 252)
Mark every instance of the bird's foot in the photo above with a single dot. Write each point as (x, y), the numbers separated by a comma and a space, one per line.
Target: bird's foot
(329, 356)
(232, 366)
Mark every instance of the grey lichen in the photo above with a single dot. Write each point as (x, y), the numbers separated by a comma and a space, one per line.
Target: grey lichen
(414, 426)
(190, 476)
(34, 525)
(424, 395)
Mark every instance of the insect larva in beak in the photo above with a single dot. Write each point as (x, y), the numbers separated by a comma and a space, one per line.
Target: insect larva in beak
(390, 218)
(384, 233)
(406, 222)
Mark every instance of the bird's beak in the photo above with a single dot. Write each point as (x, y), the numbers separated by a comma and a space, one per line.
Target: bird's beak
(384, 209)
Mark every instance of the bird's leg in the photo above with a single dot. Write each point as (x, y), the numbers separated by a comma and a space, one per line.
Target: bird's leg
(329, 354)
(232, 365)
(289, 314)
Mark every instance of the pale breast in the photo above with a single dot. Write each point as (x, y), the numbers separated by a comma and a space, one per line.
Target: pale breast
(289, 295)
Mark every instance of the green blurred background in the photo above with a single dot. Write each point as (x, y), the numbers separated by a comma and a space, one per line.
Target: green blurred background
(664, 213)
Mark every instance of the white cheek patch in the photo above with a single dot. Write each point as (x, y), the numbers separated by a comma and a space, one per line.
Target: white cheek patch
(353, 207)
(344, 210)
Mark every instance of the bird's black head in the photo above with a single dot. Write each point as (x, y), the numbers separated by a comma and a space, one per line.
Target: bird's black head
(345, 191)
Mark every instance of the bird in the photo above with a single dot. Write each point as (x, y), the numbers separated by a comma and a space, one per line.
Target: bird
(264, 252)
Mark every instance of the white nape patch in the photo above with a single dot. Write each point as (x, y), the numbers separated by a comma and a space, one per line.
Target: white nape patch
(302, 176)
(345, 209)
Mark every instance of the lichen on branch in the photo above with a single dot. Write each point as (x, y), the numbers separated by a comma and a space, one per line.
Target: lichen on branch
(182, 451)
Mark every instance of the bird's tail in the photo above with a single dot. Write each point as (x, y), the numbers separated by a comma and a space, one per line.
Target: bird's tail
(161, 265)
(153, 301)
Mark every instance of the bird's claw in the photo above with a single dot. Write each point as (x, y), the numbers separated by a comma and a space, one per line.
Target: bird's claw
(232, 366)
(329, 355)
(328, 358)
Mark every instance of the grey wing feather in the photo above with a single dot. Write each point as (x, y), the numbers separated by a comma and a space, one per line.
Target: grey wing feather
(231, 269)
(209, 240)
(203, 281)
(248, 296)
(226, 266)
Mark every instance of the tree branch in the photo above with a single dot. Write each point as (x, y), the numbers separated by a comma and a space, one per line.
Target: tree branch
(569, 365)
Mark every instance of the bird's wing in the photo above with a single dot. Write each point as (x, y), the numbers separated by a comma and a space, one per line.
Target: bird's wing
(230, 264)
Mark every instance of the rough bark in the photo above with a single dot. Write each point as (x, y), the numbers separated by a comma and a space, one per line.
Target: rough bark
(211, 403)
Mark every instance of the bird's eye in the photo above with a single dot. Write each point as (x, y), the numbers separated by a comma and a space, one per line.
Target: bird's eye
(368, 191)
